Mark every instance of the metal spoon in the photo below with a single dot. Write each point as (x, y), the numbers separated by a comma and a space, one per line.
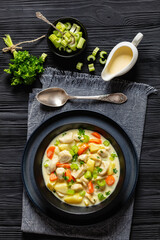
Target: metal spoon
(57, 97)
(43, 18)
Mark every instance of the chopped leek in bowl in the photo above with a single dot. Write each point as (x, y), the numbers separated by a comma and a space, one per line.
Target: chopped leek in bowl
(72, 42)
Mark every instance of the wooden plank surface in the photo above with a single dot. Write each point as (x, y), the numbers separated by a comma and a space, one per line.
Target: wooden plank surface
(107, 23)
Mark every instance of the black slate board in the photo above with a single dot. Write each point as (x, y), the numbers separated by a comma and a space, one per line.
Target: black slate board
(107, 22)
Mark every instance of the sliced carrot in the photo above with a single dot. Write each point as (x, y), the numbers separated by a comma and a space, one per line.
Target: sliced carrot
(110, 180)
(50, 152)
(97, 141)
(97, 135)
(68, 174)
(53, 177)
(64, 165)
(90, 188)
(83, 148)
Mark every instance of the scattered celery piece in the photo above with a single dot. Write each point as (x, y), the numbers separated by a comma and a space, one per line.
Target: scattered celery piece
(81, 42)
(95, 51)
(46, 164)
(70, 192)
(102, 61)
(91, 67)
(102, 54)
(43, 56)
(75, 149)
(91, 57)
(74, 166)
(82, 193)
(101, 183)
(86, 138)
(106, 143)
(101, 196)
(79, 66)
(57, 143)
(88, 175)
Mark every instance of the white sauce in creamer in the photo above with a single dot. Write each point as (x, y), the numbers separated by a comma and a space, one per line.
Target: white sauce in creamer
(65, 146)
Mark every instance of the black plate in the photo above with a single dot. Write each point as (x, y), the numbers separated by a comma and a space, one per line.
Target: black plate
(32, 166)
(64, 54)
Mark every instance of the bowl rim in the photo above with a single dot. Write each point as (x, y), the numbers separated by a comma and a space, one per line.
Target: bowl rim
(73, 54)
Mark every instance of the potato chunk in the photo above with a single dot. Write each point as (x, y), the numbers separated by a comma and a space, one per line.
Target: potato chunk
(76, 198)
(51, 186)
(110, 168)
(64, 147)
(90, 165)
(61, 187)
(94, 147)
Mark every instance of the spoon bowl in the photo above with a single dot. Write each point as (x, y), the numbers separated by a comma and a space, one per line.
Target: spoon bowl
(57, 97)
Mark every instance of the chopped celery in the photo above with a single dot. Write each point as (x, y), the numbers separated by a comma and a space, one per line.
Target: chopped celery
(72, 152)
(88, 175)
(57, 143)
(67, 34)
(77, 35)
(86, 138)
(74, 166)
(62, 48)
(57, 42)
(101, 183)
(91, 57)
(52, 37)
(79, 66)
(82, 193)
(95, 51)
(113, 156)
(68, 50)
(73, 46)
(75, 149)
(46, 164)
(68, 25)
(64, 42)
(91, 67)
(106, 143)
(102, 54)
(43, 56)
(101, 196)
(102, 61)
(70, 192)
(81, 42)
(60, 26)
(75, 28)
(57, 33)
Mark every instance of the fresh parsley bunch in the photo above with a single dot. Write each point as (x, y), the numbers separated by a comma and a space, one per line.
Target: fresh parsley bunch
(24, 67)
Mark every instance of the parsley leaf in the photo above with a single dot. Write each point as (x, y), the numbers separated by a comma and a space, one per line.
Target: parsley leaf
(81, 132)
(115, 170)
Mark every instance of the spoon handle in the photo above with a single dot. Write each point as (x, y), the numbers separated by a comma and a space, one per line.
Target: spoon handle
(43, 18)
(117, 98)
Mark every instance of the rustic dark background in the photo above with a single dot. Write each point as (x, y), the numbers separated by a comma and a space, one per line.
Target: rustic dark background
(107, 23)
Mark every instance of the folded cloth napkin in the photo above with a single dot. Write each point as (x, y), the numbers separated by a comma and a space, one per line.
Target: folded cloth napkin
(130, 116)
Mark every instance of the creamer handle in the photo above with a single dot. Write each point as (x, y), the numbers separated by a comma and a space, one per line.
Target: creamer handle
(137, 39)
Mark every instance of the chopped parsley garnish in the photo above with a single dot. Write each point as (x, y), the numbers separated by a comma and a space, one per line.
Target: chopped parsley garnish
(115, 170)
(63, 134)
(66, 177)
(81, 162)
(97, 187)
(99, 169)
(108, 193)
(81, 132)
(74, 158)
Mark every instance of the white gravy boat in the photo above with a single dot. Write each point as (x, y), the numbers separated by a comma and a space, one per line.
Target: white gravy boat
(121, 58)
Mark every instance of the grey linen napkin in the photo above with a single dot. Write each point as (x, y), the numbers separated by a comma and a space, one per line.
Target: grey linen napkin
(130, 116)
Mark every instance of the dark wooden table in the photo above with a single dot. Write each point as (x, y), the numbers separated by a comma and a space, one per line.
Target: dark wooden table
(107, 23)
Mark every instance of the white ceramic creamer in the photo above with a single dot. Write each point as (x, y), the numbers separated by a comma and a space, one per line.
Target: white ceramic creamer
(121, 58)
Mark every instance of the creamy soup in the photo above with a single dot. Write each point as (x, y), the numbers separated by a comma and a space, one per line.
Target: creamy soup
(120, 59)
(81, 167)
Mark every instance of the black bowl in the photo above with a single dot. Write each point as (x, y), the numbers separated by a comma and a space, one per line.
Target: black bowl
(32, 167)
(64, 54)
